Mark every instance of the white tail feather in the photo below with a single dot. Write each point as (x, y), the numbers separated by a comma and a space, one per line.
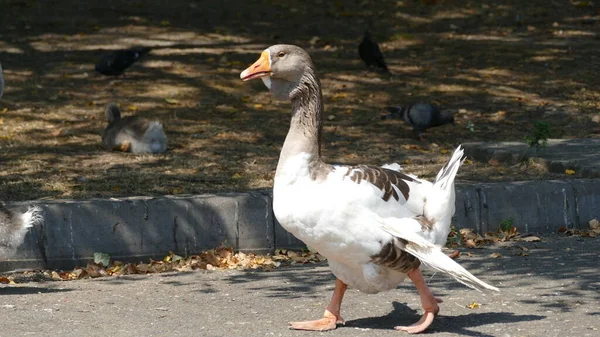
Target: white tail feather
(436, 259)
(430, 254)
(447, 174)
(440, 205)
(439, 209)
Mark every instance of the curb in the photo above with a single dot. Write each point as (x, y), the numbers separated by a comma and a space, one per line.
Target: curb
(139, 228)
(580, 155)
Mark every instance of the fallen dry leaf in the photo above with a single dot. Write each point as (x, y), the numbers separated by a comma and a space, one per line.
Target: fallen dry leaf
(338, 96)
(495, 255)
(473, 305)
(523, 248)
(177, 190)
(530, 239)
(569, 172)
(412, 147)
(490, 237)
(221, 258)
(509, 234)
(594, 225)
(592, 233)
(469, 243)
(172, 100)
(62, 132)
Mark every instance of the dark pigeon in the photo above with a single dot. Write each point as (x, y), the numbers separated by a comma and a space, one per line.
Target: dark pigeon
(420, 116)
(369, 51)
(1, 82)
(115, 63)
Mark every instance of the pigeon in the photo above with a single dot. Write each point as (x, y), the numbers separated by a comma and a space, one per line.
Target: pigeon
(369, 51)
(133, 133)
(421, 116)
(115, 63)
(1, 82)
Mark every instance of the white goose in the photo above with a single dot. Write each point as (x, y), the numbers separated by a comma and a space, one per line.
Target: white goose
(375, 225)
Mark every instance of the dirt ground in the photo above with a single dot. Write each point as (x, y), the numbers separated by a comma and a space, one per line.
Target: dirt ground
(499, 66)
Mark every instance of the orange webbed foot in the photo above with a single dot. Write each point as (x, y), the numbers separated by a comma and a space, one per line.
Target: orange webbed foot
(328, 322)
(431, 310)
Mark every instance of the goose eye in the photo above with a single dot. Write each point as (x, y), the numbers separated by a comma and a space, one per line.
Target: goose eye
(280, 54)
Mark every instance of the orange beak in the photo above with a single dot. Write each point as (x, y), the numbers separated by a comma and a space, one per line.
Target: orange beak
(260, 68)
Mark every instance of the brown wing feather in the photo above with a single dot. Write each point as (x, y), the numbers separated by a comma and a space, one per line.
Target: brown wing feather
(393, 256)
(382, 178)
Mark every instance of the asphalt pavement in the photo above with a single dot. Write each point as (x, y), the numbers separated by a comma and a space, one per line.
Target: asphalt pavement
(548, 288)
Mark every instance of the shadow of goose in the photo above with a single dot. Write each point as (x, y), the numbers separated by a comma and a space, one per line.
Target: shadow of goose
(460, 324)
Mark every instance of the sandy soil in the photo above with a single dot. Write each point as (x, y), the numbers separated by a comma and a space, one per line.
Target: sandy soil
(499, 66)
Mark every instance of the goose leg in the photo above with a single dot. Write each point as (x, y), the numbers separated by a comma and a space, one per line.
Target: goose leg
(331, 317)
(429, 302)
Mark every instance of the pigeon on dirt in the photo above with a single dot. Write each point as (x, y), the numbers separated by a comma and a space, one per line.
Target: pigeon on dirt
(420, 116)
(115, 63)
(369, 52)
(1, 82)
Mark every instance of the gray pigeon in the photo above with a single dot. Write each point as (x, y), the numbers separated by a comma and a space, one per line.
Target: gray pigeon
(1, 82)
(115, 63)
(369, 52)
(421, 116)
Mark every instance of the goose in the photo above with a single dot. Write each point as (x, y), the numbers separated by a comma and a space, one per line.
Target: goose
(375, 225)
(14, 227)
(420, 116)
(132, 134)
(115, 63)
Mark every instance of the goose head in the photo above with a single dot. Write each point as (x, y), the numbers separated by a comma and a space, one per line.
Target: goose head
(281, 68)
